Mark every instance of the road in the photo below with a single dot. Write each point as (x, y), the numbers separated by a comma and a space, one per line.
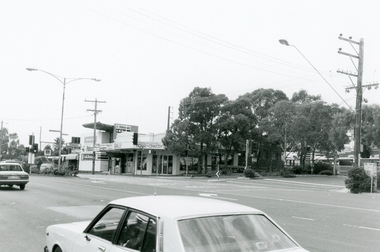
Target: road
(317, 211)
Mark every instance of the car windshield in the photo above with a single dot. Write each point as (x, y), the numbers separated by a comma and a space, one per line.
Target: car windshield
(10, 168)
(235, 233)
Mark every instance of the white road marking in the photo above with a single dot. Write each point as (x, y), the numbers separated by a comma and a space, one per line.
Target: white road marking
(303, 218)
(361, 227)
(213, 195)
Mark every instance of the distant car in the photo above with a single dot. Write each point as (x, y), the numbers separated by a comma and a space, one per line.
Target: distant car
(48, 168)
(12, 174)
(172, 224)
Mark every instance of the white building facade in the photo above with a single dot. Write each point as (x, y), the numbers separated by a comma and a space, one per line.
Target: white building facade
(115, 152)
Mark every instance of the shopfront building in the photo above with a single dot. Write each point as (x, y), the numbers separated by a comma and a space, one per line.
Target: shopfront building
(115, 152)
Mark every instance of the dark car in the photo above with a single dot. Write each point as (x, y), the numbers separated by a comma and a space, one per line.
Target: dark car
(12, 174)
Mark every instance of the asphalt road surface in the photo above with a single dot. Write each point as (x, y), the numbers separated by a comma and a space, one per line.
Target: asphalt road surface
(317, 211)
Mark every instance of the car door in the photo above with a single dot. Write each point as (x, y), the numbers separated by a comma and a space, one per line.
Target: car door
(101, 233)
(137, 233)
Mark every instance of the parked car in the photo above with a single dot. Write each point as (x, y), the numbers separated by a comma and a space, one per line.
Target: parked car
(12, 174)
(48, 168)
(172, 224)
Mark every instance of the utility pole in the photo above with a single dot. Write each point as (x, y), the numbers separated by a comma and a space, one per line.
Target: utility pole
(359, 90)
(96, 111)
(170, 115)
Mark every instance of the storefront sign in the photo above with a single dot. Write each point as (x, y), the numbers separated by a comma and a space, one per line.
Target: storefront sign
(87, 156)
(152, 146)
(89, 139)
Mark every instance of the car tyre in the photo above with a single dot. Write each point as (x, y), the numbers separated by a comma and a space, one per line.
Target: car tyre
(22, 187)
(57, 249)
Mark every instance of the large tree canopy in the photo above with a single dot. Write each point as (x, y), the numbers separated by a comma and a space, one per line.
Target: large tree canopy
(210, 123)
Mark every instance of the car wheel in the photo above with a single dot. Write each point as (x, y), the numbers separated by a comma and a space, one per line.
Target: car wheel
(22, 187)
(57, 249)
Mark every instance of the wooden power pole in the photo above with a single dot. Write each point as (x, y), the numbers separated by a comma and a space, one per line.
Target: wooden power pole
(359, 91)
(96, 111)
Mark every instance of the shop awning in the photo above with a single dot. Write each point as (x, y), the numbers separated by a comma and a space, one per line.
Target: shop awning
(100, 126)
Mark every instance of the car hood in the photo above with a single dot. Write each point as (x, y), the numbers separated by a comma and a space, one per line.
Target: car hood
(69, 229)
(74, 227)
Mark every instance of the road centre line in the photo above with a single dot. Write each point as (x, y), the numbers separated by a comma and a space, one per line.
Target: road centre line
(368, 228)
(214, 195)
(361, 227)
(303, 218)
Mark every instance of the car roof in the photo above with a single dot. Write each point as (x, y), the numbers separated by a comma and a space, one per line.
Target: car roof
(183, 206)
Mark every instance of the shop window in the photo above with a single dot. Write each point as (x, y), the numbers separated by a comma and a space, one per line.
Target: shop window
(162, 164)
(170, 165)
(154, 164)
(142, 158)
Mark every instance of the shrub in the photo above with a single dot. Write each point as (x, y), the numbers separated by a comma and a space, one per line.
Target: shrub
(297, 169)
(358, 181)
(287, 174)
(319, 167)
(326, 172)
(249, 173)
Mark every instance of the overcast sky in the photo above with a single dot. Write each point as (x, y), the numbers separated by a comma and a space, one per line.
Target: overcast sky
(151, 54)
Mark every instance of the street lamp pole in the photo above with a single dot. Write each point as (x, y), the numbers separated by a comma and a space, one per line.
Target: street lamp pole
(64, 81)
(285, 42)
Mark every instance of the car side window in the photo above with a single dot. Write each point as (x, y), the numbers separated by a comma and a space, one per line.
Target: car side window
(138, 233)
(106, 226)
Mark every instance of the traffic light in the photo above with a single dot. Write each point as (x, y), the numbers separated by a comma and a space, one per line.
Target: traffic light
(135, 138)
(27, 149)
(31, 139)
(75, 140)
(35, 148)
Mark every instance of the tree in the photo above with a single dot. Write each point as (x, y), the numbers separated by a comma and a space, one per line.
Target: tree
(303, 97)
(317, 115)
(197, 114)
(56, 145)
(370, 127)
(178, 138)
(280, 126)
(4, 140)
(337, 134)
(234, 126)
(261, 100)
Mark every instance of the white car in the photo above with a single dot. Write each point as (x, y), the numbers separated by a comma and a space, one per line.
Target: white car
(171, 224)
(12, 174)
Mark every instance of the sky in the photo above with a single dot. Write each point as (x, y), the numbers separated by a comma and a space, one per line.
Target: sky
(151, 54)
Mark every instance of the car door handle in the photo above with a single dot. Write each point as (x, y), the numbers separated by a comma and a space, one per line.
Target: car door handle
(102, 249)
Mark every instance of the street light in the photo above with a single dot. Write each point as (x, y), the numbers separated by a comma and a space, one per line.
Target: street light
(64, 81)
(285, 42)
